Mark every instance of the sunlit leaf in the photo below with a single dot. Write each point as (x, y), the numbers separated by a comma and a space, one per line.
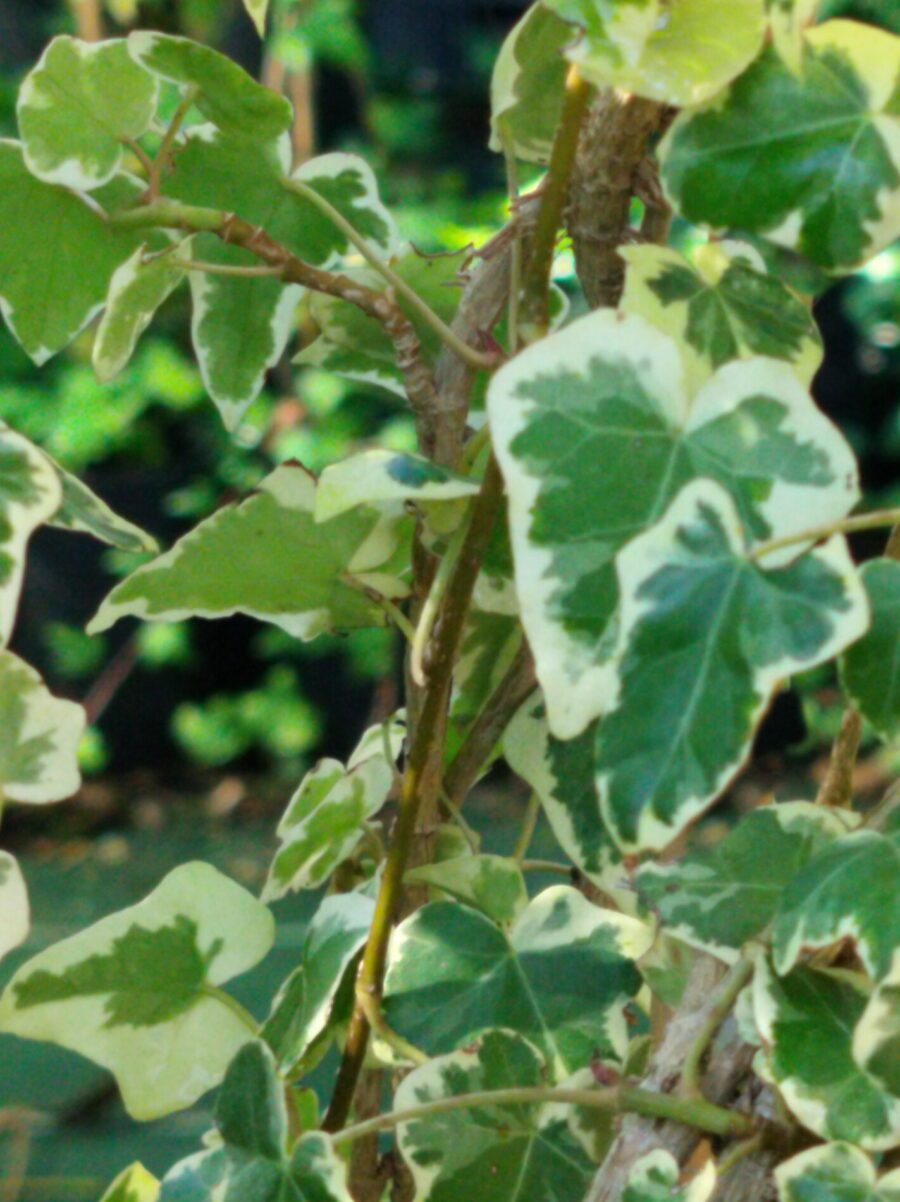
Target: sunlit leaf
(257, 10)
(375, 476)
(492, 884)
(876, 1040)
(489, 646)
(870, 669)
(39, 736)
(133, 1184)
(527, 85)
(15, 914)
(83, 512)
(835, 1172)
(657, 1177)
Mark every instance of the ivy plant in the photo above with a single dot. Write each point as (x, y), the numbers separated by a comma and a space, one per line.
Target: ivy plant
(621, 534)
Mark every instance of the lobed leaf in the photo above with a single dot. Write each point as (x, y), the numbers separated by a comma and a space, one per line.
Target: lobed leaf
(836, 1172)
(657, 1177)
(870, 668)
(493, 885)
(15, 913)
(527, 85)
(39, 736)
(376, 476)
(83, 512)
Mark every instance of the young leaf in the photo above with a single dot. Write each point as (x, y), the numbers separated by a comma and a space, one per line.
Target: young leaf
(835, 1172)
(788, 20)
(870, 669)
(595, 435)
(706, 634)
(373, 477)
(250, 1162)
(326, 818)
(304, 1008)
(721, 306)
(817, 155)
(849, 891)
(39, 737)
(876, 1040)
(806, 1021)
(511, 1153)
(222, 91)
(257, 10)
(657, 1177)
(494, 885)
(83, 512)
(267, 557)
(136, 992)
(528, 83)
(133, 1184)
(78, 106)
(719, 898)
(561, 977)
(15, 914)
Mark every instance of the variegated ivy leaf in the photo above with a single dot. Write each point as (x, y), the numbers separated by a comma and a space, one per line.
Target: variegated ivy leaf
(817, 155)
(657, 1177)
(876, 1040)
(806, 1021)
(562, 977)
(596, 434)
(376, 476)
(83, 512)
(267, 557)
(848, 891)
(250, 1162)
(788, 20)
(222, 91)
(134, 1184)
(528, 83)
(719, 898)
(303, 1012)
(77, 107)
(489, 646)
(15, 914)
(835, 1172)
(492, 884)
(257, 10)
(30, 494)
(39, 736)
(251, 177)
(677, 52)
(561, 772)
(327, 816)
(702, 621)
(52, 234)
(513, 1153)
(137, 992)
(720, 306)
(870, 669)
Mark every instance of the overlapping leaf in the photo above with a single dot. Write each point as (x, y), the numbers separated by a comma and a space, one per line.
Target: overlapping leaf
(490, 643)
(702, 621)
(493, 885)
(719, 898)
(560, 978)
(870, 669)
(376, 476)
(516, 1153)
(134, 1184)
(39, 736)
(806, 1021)
(595, 435)
(876, 1040)
(78, 106)
(810, 159)
(835, 1172)
(135, 992)
(527, 85)
(788, 20)
(266, 556)
(657, 1177)
(251, 1163)
(15, 914)
(83, 512)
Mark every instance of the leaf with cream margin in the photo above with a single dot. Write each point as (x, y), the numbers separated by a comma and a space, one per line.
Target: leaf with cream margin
(257, 11)
(134, 1184)
(39, 737)
(266, 556)
(137, 991)
(701, 621)
(809, 160)
(494, 885)
(505, 1153)
(788, 20)
(528, 83)
(876, 1040)
(15, 913)
(489, 646)
(327, 816)
(657, 1177)
(78, 107)
(870, 669)
(806, 1021)
(561, 977)
(596, 434)
(373, 477)
(83, 512)
(836, 1172)
(719, 306)
(30, 494)
(718, 898)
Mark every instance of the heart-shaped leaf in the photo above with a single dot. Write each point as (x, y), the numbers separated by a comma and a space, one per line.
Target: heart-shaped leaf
(835, 1172)
(492, 884)
(657, 1177)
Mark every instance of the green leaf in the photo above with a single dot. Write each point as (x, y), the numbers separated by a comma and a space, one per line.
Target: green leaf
(136, 992)
(848, 891)
(133, 1184)
(257, 10)
(489, 645)
(679, 52)
(811, 160)
(510, 1153)
(250, 1163)
(39, 737)
(870, 669)
(562, 977)
(222, 91)
(303, 1011)
(719, 898)
(706, 635)
(57, 255)
(83, 512)
(721, 306)
(657, 1177)
(806, 1021)
(267, 557)
(835, 1172)
(528, 83)
(327, 816)
(561, 772)
(78, 106)
(376, 476)
(15, 914)
(595, 435)
(494, 885)
(788, 20)
(876, 1040)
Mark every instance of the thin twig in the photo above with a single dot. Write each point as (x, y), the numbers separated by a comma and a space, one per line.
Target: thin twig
(734, 982)
(226, 269)
(852, 525)
(836, 789)
(370, 1004)
(529, 822)
(164, 155)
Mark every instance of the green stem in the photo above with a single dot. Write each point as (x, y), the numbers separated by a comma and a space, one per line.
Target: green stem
(529, 822)
(379, 1026)
(515, 255)
(736, 1153)
(393, 611)
(439, 585)
(546, 866)
(232, 1004)
(164, 154)
(864, 521)
(225, 268)
(734, 982)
